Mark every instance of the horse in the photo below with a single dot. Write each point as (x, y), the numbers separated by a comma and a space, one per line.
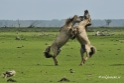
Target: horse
(64, 35)
(80, 32)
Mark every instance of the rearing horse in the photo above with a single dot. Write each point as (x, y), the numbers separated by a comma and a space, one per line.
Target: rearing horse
(61, 39)
(81, 35)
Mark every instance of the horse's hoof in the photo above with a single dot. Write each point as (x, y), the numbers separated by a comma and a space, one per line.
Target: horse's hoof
(80, 64)
(56, 64)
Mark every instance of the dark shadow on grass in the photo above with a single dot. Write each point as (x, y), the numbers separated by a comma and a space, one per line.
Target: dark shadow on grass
(116, 65)
(49, 65)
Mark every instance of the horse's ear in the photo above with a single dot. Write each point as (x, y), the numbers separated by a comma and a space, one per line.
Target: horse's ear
(86, 14)
(86, 11)
(74, 17)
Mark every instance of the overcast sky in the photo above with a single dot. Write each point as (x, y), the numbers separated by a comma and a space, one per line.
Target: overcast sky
(60, 9)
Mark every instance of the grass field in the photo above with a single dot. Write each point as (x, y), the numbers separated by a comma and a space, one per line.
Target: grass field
(26, 58)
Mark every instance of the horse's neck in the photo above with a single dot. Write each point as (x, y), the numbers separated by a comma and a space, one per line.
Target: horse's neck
(82, 23)
(69, 25)
(81, 28)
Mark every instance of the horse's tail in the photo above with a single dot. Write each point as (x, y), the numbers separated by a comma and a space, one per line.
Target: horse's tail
(93, 51)
(46, 53)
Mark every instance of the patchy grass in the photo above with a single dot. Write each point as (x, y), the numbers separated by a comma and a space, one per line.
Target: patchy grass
(28, 61)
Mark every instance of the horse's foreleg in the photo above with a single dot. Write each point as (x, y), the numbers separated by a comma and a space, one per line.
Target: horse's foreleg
(82, 51)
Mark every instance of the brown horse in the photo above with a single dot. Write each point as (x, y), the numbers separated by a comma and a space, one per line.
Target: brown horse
(81, 35)
(62, 38)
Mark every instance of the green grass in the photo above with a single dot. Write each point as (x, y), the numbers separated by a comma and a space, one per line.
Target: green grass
(32, 67)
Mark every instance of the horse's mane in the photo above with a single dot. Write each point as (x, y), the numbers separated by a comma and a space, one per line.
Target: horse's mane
(67, 22)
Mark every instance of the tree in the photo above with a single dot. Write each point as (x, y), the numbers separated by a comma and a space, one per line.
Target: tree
(108, 21)
(18, 23)
(33, 24)
(6, 24)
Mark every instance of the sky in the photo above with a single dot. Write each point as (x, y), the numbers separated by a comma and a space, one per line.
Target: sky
(60, 9)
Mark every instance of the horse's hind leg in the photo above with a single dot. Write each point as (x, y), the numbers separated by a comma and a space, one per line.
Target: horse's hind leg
(56, 51)
(82, 51)
(87, 47)
(55, 60)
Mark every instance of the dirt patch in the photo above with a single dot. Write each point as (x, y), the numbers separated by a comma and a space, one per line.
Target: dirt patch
(64, 80)
(11, 80)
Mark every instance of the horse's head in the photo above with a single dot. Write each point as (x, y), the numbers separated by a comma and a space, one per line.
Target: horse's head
(86, 18)
(74, 19)
(71, 21)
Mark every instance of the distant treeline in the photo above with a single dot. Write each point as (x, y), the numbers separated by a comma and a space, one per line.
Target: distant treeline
(58, 23)
(56, 29)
